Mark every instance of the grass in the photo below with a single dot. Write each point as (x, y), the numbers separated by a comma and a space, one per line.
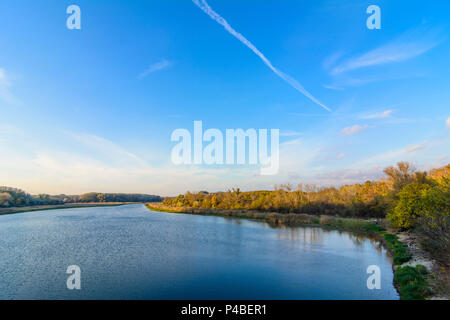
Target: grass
(399, 250)
(412, 282)
(274, 218)
(351, 224)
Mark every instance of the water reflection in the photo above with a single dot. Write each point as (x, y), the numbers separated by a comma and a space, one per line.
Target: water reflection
(306, 236)
(130, 253)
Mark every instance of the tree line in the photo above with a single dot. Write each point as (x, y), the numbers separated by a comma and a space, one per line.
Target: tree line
(408, 198)
(12, 197)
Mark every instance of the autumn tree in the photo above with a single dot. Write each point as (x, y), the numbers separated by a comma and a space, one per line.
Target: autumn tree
(401, 175)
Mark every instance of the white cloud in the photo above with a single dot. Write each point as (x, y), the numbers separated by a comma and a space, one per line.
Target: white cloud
(448, 123)
(348, 131)
(204, 6)
(411, 44)
(161, 65)
(80, 163)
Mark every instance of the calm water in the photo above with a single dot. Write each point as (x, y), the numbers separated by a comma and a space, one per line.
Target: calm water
(129, 252)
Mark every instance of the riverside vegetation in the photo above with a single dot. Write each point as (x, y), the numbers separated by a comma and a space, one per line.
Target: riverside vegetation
(405, 200)
(16, 198)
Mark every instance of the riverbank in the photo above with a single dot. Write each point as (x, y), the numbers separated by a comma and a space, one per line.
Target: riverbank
(438, 274)
(415, 277)
(4, 211)
(274, 218)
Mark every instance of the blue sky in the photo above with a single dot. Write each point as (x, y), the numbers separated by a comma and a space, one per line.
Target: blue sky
(93, 109)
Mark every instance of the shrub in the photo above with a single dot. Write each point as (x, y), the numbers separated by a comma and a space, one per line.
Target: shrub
(434, 219)
(412, 282)
(399, 250)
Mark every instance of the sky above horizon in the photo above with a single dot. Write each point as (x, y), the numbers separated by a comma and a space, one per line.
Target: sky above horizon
(94, 109)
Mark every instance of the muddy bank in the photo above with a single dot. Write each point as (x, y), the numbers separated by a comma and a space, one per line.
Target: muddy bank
(439, 275)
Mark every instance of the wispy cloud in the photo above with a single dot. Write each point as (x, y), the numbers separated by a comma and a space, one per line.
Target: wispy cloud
(290, 133)
(448, 123)
(379, 115)
(410, 153)
(343, 80)
(332, 59)
(161, 65)
(203, 5)
(347, 176)
(5, 88)
(333, 87)
(106, 147)
(416, 147)
(411, 44)
(348, 131)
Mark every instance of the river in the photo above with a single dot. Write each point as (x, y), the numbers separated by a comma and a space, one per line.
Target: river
(129, 252)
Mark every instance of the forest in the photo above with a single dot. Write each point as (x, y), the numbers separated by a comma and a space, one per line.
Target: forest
(408, 198)
(12, 197)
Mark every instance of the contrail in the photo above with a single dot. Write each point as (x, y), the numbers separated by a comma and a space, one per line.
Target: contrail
(202, 4)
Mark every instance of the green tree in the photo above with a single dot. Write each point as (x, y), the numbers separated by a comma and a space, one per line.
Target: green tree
(434, 217)
(408, 206)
